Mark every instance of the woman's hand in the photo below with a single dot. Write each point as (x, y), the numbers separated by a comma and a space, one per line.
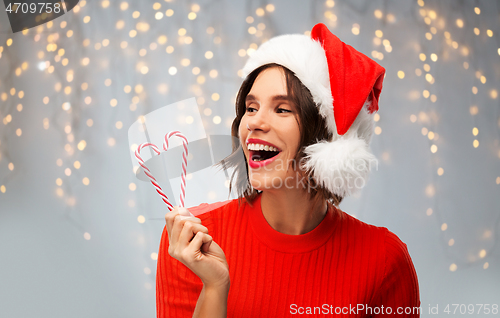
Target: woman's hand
(190, 244)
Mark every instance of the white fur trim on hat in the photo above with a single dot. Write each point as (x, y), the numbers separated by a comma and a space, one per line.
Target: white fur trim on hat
(343, 165)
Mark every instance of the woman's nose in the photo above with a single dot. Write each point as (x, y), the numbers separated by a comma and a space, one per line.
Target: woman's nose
(259, 121)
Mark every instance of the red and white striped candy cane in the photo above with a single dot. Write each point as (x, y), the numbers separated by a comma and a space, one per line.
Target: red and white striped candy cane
(184, 160)
(157, 151)
(148, 172)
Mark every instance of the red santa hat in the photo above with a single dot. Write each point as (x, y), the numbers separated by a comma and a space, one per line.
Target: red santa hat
(345, 85)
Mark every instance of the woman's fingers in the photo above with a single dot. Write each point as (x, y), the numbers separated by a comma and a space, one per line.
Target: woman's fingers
(175, 220)
(170, 216)
(184, 213)
(179, 224)
(188, 231)
(209, 265)
(169, 220)
(206, 246)
(199, 240)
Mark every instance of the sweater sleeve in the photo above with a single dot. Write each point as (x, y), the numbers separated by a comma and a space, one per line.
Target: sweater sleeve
(399, 291)
(177, 287)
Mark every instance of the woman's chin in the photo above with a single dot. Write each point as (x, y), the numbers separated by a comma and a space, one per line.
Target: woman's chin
(267, 183)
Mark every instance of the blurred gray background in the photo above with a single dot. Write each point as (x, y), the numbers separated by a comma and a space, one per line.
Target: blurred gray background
(79, 232)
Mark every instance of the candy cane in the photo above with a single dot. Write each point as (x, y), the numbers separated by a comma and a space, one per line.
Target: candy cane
(184, 160)
(148, 172)
(157, 151)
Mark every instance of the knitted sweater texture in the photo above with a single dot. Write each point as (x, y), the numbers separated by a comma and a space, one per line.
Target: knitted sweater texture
(343, 267)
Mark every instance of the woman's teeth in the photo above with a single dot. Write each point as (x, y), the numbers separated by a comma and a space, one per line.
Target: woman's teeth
(259, 147)
(262, 152)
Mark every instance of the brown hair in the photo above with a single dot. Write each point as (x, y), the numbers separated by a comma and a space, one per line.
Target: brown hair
(312, 128)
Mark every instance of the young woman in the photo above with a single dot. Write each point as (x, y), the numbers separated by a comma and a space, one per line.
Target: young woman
(304, 119)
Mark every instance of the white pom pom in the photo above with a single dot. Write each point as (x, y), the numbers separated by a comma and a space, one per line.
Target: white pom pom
(341, 166)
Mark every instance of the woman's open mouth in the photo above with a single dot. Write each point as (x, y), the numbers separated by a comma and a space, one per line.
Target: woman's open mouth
(261, 154)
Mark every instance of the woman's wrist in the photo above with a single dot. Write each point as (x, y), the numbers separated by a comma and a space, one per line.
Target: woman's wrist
(212, 301)
(221, 288)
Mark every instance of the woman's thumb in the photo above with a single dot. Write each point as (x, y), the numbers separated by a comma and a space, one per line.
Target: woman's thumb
(184, 213)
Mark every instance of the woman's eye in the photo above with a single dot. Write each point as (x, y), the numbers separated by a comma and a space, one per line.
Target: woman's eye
(250, 109)
(283, 110)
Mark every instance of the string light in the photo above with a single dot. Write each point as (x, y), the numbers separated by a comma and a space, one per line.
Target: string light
(209, 55)
(493, 94)
(453, 267)
(355, 29)
(430, 190)
(81, 145)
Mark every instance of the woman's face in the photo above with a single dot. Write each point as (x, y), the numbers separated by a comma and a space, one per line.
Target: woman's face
(269, 132)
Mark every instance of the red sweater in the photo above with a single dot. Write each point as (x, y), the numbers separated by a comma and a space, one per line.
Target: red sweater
(343, 266)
